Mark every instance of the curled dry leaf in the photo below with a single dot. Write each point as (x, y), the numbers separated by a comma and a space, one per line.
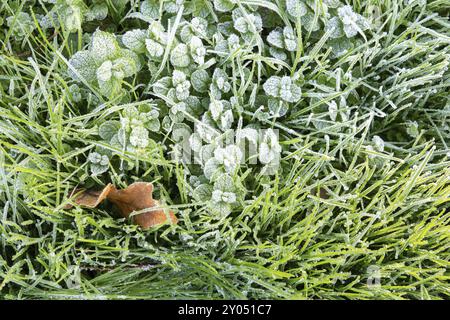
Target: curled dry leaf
(136, 197)
(89, 198)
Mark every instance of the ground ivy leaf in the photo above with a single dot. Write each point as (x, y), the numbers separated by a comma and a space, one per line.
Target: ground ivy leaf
(108, 129)
(104, 72)
(222, 209)
(223, 5)
(278, 53)
(97, 12)
(203, 192)
(210, 168)
(340, 46)
(275, 38)
(277, 107)
(224, 183)
(150, 8)
(84, 64)
(97, 169)
(308, 22)
(179, 56)
(162, 86)
(104, 46)
(200, 80)
(135, 40)
(296, 8)
(335, 26)
(272, 86)
(154, 49)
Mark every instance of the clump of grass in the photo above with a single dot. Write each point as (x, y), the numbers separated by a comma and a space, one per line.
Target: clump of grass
(357, 209)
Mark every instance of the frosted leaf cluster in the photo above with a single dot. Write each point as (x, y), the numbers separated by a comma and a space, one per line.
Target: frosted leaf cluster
(73, 13)
(216, 77)
(177, 87)
(347, 23)
(281, 40)
(281, 90)
(269, 148)
(220, 83)
(248, 25)
(105, 64)
(197, 27)
(98, 163)
(21, 25)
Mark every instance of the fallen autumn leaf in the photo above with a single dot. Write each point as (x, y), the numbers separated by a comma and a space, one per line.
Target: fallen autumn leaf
(136, 197)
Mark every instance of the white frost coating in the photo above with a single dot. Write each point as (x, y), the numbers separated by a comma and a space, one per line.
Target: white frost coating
(197, 50)
(220, 196)
(352, 22)
(333, 110)
(216, 109)
(269, 148)
(230, 157)
(104, 72)
(283, 88)
(94, 157)
(179, 57)
(378, 142)
(135, 40)
(296, 8)
(139, 137)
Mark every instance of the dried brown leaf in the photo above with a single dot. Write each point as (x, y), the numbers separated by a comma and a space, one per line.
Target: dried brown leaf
(136, 197)
(90, 198)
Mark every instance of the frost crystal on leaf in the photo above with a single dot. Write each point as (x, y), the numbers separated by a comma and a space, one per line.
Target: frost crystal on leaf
(220, 83)
(352, 22)
(216, 108)
(104, 64)
(84, 64)
(104, 46)
(21, 24)
(283, 39)
(97, 12)
(333, 110)
(296, 8)
(139, 137)
(412, 128)
(247, 25)
(223, 195)
(269, 148)
(200, 80)
(275, 38)
(104, 72)
(150, 8)
(179, 56)
(135, 40)
(283, 88)
(98, 163)
(230, 157)
(195, 142)
(197, 50)
(224, 5)
(220, 196)
(334, 25)
(94, 157)
(181, 85)
(378, 142)
(154, 49)
(172, 6)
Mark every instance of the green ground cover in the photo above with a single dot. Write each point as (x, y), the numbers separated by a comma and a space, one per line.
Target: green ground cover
(346, 197)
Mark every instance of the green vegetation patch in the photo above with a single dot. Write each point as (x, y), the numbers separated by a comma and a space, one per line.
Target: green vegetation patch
(303, 146)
